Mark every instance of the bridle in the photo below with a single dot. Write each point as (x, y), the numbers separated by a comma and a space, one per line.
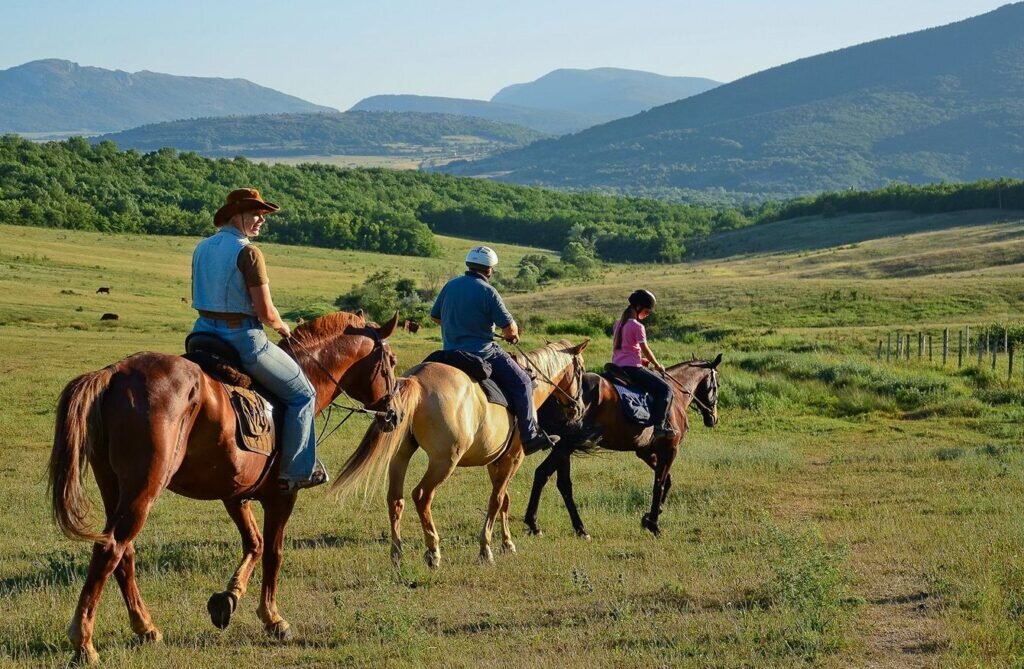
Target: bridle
(705, 409)
(388, 417)
(577, 373)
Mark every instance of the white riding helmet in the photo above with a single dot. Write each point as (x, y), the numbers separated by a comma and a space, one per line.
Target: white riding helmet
(482, 255)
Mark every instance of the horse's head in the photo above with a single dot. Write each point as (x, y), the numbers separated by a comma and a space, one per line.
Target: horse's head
(569, 384)
(705, 396)
(371, 377)
(343, 352)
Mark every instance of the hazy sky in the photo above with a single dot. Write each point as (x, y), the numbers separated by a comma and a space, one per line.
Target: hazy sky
(337, 52)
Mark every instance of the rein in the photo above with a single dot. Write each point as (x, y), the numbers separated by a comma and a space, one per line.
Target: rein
(389, 417)
(577, 372)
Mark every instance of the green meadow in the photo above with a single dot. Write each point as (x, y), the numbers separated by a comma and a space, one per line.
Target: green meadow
(845, 512)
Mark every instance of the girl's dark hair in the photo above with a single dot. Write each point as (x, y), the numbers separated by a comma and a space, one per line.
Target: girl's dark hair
(630, 312)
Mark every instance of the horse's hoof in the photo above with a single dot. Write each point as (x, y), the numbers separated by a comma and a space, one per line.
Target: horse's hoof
(220, 606)
(85, 656)
(650, 525)
(280, 631)
(432, 558)
(486, 555)
(532, 528)
(582, 534)
(152, 636)
(509, 548)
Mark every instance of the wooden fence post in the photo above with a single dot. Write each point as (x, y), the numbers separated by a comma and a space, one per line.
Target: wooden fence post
(929, 347)
(1009, 353)
(906, 348)
(945, 345)
(960, 351)
(920, 345)
(888, 348)
(879, 356)
(981, 350)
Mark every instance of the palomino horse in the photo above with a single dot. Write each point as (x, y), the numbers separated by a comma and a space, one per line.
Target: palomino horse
(446, 414)
(155, 421)
(604, 426)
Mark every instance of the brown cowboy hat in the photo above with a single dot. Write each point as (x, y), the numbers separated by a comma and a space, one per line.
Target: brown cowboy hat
(240, 201)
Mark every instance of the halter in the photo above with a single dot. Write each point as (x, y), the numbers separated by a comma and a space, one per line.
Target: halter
(577, 374)
(388, 417)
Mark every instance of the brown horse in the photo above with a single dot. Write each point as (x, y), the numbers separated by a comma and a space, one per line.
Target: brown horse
(445, 413)
(154, 421)
(603, 426)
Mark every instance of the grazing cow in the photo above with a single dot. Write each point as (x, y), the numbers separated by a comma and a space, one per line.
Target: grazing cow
(103, 289)
(109, 317)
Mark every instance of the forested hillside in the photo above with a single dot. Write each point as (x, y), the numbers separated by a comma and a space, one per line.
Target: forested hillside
(351, 133)
(945, 104)
(73, 184)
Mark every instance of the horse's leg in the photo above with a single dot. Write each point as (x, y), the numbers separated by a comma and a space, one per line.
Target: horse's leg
(124, 572)
(396, 504)
(277, 510)
(564, 484)
(501, 472)
(423, 496)
(223, 604)
(662, 464)
(666, 488)
(540, 479)
(122, 527)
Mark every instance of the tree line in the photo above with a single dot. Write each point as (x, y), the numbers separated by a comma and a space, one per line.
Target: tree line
(74, 184)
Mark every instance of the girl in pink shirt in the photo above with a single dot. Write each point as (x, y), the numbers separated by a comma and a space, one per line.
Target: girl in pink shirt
(631, 353)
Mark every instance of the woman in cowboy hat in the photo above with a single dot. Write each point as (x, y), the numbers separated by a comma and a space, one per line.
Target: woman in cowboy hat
(231, 292)
(631, 353)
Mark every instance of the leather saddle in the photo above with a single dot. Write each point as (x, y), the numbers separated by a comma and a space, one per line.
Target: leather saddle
(634, 401)
(475, 368)
(256, 409)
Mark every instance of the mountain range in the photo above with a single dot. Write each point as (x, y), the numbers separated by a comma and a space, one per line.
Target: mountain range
(945, 103)
(52, 96)
(562, 101)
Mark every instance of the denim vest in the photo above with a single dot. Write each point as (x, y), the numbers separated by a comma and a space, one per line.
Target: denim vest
(217, 285)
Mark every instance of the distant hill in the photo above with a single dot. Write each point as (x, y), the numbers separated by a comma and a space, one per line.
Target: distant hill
(542, 120)
(604, 93)
(58, 95)
(940, 104)
(351, 133)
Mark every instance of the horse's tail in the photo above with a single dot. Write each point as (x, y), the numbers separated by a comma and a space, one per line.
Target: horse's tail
(79, 428)
(377, 447)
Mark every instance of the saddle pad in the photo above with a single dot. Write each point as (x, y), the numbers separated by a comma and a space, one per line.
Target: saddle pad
(475, 368)
(635, 405)
(254, 420)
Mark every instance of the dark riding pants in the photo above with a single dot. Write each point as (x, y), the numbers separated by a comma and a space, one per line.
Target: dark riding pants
(656, 387)
(518, 387)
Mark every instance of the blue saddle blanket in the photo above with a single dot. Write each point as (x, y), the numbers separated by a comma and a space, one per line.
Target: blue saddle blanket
(635, 404)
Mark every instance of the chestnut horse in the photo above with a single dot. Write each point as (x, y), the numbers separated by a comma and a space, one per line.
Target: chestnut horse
(154, 421)
(604, 426)
(445, 413)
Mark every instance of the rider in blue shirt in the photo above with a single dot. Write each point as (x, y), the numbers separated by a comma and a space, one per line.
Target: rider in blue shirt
(467, 308)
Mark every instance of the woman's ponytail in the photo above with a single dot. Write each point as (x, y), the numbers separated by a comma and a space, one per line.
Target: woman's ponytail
(630, 312)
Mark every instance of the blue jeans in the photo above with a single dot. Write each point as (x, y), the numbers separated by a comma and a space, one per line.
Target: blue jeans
(518, 387)
(280, 374)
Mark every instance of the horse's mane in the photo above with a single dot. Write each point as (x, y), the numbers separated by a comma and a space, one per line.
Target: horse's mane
(547, 357)
(319, 330)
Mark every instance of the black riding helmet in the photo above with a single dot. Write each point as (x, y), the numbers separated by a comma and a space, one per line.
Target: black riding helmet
(642, 299)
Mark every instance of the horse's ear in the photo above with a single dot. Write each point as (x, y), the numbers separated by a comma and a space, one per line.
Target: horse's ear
(360, 314)
(388, 328)
(576, 350)
(716, 362)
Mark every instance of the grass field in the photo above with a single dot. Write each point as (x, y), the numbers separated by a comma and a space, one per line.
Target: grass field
(844, 513)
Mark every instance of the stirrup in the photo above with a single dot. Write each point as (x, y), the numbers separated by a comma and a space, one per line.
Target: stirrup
(318, 477)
